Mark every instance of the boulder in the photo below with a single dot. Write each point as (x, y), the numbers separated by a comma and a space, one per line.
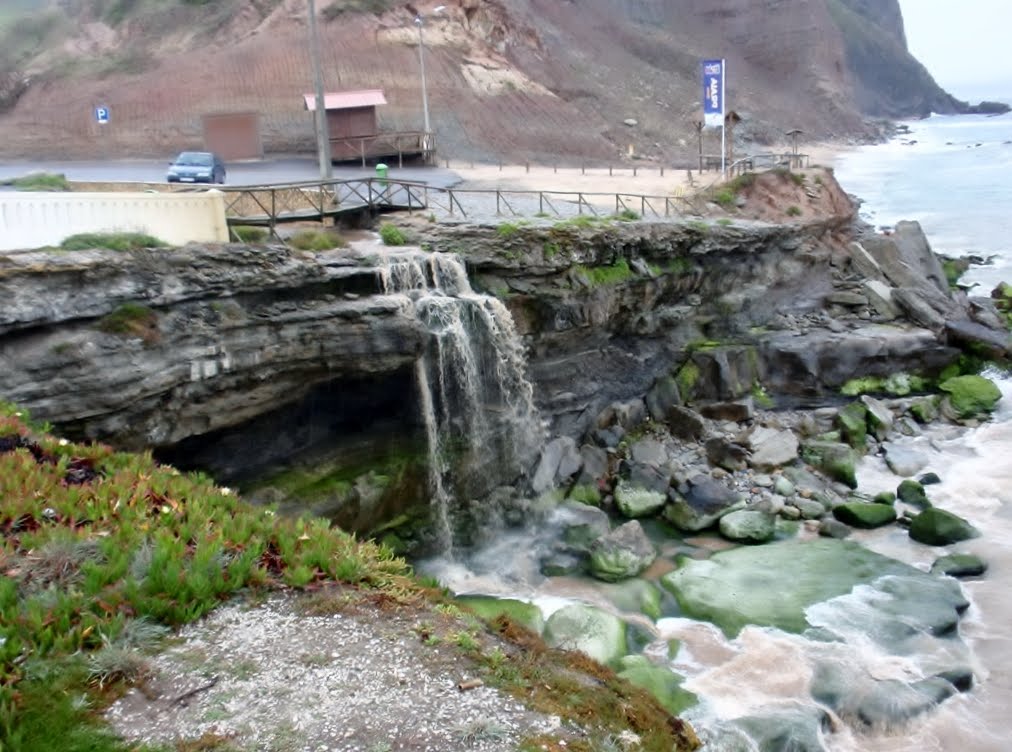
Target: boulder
(884, 704)
(737, 411)
(662, 397)
(771, 448)
(705, 502)
(775, 584)
(562, 564)
(924, 409)
(971, 396)
(685, 423)
(589, 630)
(879, 417)
(865, 515)
(595, 465)
(634, 501)
(648, 451)
(852, 421)
(623, 553)
(582, 524)
(880, 297)
(726, 454)
(936, 527)
(635, 596)
(911, 492)
(625, 415)
(810, 509)
(832, 528)
(959, 565)
(748, 526)
(903, 460)
(659, 681)
(559, 461)
(786, 729)
(837, 461)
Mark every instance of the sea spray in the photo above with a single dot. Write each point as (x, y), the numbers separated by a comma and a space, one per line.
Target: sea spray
(477, 405)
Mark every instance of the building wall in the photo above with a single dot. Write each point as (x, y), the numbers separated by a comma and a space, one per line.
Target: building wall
(354, 121)
(233, 135)
(33, 220)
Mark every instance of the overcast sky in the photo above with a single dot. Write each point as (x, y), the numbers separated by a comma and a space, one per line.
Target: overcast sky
(967, 46)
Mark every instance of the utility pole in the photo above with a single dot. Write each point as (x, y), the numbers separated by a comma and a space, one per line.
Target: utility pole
(421, 64)
(320, 113)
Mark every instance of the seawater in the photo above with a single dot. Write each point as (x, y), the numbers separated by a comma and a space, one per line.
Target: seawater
(954, 175)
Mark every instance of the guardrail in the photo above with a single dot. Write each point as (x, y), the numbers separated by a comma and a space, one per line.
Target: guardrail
(270, 205)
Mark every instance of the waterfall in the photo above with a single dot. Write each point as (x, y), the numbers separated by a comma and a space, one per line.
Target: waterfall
(476, 402)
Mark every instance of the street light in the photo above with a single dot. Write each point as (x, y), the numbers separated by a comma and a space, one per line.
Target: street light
(419, 21)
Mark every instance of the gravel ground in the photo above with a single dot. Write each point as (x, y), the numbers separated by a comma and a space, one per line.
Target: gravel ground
(268, 677)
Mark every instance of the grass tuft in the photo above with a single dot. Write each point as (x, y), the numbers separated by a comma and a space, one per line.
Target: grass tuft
(113, 241)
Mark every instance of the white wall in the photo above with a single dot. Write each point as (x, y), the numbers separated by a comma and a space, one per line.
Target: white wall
(33, 220)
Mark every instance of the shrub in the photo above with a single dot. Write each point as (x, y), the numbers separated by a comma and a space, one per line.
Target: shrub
(40, 181)
(793, 211)
(113, 241)
(724, 198)
(507, 230)
(603, 276)
(317, 240)
(392, 235)
(131, 319)
(627, 215)
(246, 234)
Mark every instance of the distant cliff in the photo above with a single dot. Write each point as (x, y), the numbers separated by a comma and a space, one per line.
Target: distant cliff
(511, 79)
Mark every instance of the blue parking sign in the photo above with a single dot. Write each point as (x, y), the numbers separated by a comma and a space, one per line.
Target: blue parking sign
(101, 115)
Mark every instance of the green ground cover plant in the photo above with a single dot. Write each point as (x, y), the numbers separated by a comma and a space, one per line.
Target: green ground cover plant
(112, 241)
(318, 240)
(100, 548)
(39, 181)
(392, 235)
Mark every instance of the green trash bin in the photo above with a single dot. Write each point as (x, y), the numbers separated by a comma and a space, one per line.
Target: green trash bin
(381, 172)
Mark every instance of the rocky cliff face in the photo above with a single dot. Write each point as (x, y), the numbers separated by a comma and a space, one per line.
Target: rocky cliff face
(251, 361)
(511, 79)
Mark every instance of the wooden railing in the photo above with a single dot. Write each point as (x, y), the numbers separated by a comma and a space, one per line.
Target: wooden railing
(270, 205)
(383, 145)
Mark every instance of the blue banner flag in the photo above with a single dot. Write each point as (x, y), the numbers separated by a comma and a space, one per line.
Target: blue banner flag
(713, 92)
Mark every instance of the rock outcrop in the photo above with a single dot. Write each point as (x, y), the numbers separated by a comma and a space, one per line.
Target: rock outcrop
(248, 361)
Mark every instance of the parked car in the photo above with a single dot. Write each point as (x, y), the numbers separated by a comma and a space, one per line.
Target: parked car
(196, 167)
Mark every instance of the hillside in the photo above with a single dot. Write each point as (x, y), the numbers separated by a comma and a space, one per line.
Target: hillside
(511, 79)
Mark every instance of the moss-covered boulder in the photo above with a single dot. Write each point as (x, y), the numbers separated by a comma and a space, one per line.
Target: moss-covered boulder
(959, 565)
(591, 631)
(837, 461)
(852, 421)
(772, 585)
(623, 553)
(748, 526)
(663, 683)
(634, 596)
(912, 492)
(936, 527)
(971, 396)
(490, 608)
(633, 501)
(865, 515)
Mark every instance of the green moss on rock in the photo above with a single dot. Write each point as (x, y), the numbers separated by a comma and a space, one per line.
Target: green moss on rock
(971, 396)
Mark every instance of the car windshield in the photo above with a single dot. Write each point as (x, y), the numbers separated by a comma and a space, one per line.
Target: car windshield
(194, 159)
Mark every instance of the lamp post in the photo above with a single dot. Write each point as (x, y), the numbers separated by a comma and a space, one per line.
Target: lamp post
(320, 112)
(419, 22)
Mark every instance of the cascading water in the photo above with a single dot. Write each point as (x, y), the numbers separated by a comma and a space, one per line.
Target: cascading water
(477, 404)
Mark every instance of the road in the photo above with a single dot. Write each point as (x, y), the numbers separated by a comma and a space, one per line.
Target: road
(286, 170)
